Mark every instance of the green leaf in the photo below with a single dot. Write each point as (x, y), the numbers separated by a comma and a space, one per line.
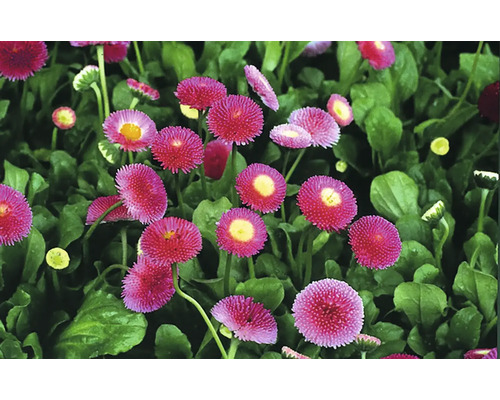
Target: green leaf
(391, 337)
(71, 225)
(394, 194)
(426, 273)
(225, 184)
(36, 185)
(268, 291)
(15, 177)
(320, 241)
(101, 326)
(180, 57)
(296, 49)
(270, 265)
(312, 77)
(170, 342)
(465, 329)
(487, 69)
(207, 214)
(122, 96)
(412, 227)
(11, 349)
(35, 254)
(383, 129)
(272, 56)
(370, 309)
(4, 106)
(372, 90)
(271, 154)
(63, 167)
(416, 342)
(332, 270)
(32, 341)
(387, 280)
(349, 60)
(481, 248)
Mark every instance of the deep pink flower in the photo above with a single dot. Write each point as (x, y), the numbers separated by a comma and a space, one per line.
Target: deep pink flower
(64, 118)
(380, 55)
(261, 187)
(115, 52)
(20, 60)
(177, 148)
(481, 354)
(488, 103)
(241, 231)
(261, 86)
(248, 320)
(147, 286)
(101, 204)
(327, 203)
(200, 92)
(15, 216)
(322, 127)
(291, 136)
(493, 354)
(329, 313)
(400, 356)
(142, 90)
(315, 48)
(216, 155)
(95, 43)
(339, 109)
(289, 353)
(142, 192)
(236, 119)
(375, 242)
(171, 240)
(366, 342)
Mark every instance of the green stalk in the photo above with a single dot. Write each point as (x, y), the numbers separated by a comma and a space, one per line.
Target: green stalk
(134, 102)
(233, 348)
(104, 273)
(285, 161)
(234, 195)
(139, 58)
(98, 97)
(307, 276)
(439, 248)
(102, 73)
(130, 157)
(22, 113)
(123, 235)
(200, 310)
(284, 64)
(480, 220)
(251, 268)
(227, 273)
(294, 165)
(180, 203)
(363, 355)
(54, 139)
(201, 115)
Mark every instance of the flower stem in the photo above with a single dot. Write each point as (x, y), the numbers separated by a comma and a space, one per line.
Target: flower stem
(227, 273)
(294, 165)
(480, 220)
(130, 157)
(234, 195)
(285, 161)
(103, 274)
(54, 139)
(251, 268)
(363, 355)
(307, 276)
(439, 248)
(284, 64)
(200, 310)
(201, 115)
(98, 97)
(102, 73)
(180, 203)
(134, 102)
(139, 58)
(99, 220)
(233, 348)
(123, 235)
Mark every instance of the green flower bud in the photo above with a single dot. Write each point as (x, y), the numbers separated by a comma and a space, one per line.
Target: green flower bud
(486, 180)
(85, 78)
(435, 213)
(57, 258)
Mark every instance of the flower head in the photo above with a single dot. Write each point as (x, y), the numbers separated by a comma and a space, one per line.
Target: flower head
(15, 216)
(147, 286)
(200, 92)
(321, 126)
(261, 187)
(492, 354)
(132, 129)
(440, 146)
(486, 179)
(101, 204)
(82, 43)
(291, 136)
(400, 356)
(315, 48)
(241, 231)
(57, 258)
(380, 55)
(327, 203)
(481, 354)
(289, 353)
(340, 109)
(142, 192)
(64, 118)
(366, 342)
(115, 52)
(341, 166)
(248, 320)
(236, 119)
(329, 313)
(261, 86)
(216, 155)
(435, 213)
(488, 103)
(177, 148)
(20, 60)
(85, 78)
(375, 242)
(142, 90)
(171, 240)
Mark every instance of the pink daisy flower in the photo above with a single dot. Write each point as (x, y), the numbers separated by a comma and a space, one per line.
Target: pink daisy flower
(64, 118)
(115, 52)
(261, 187)
(400, 356)
(289, 353)
(315, 48)
(481, 354)
(366, 342)
(101, 204)
(200, 92)
(261, 86)
(248, 320)
(291, 136)
(95, 43)
(132, 129)
(171, 240)
(322, 127)
(339, 109)
(177, 148)
(15, 216)
(380, 55)
(236, 119)
(375, 242)
(147, 286)
(488, 103)
(142, 192)
(215, 160)
(241, 231)
(327, 203)
(142, 90)
(493, 354)
(329, 313)
(20, 60)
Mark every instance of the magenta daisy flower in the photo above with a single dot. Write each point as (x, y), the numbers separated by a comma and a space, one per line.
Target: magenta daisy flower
(101, 204)
(322, 127)
(380, 55)
(327, 203)
(142, 192)
(177, 148)
(289, 353)
(82, 43)
(488, 103)
(261, 86)
(315, 48)
(366, 342)
(147, 286)
(64, 118)
(142, 90)
(115, 52)
(236, 119)
(329, 313)
(400, 356)
(171, 240)
(375, 242)
(15, 216)
(481, 354)
(216, 155)
(339, 109)
(291, 136)
(20, 60)
(261, 187)
(241, 231)
(132, 129)
(200, 92)
(493, 354)
(248, 320)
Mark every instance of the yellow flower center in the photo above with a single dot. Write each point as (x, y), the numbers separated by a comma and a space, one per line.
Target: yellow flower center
(169, 235)
(264, 185)
(191, 113)
(289, 133)
(440, 146)
(341, 109)
(57, 258)
(330, 197)
(65, 117)
(176, 143)
(241, 230)
(237, 113)
(131, 131)
(379, 45)
(4, 210)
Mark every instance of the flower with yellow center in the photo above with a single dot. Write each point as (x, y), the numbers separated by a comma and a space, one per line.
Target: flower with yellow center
(64, 118)
(57, 258)
(330, 197)
(340, 109)
(131, 131)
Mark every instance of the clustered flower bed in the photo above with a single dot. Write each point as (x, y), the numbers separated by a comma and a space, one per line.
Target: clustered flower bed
(248, 200)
